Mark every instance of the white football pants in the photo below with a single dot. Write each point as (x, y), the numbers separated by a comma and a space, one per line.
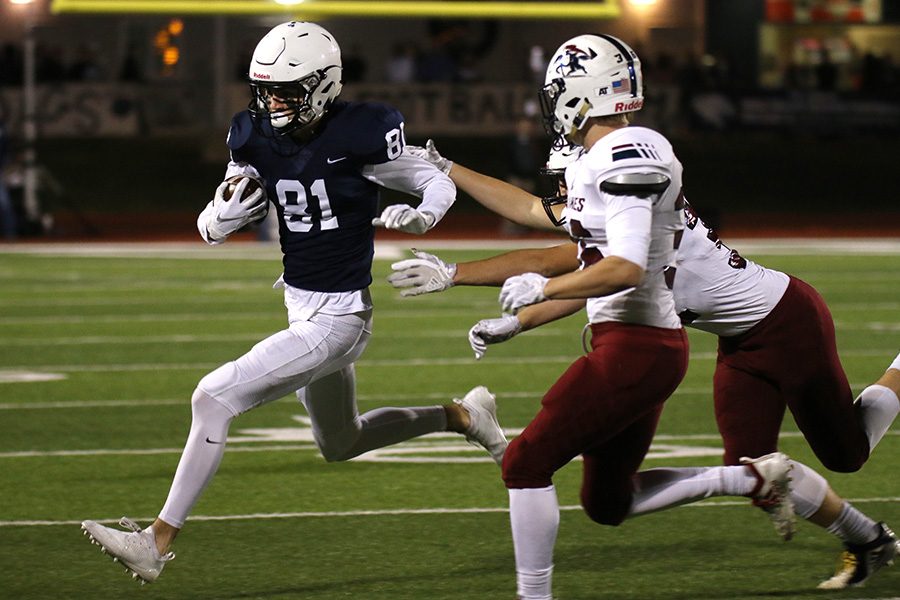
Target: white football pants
(313, 358)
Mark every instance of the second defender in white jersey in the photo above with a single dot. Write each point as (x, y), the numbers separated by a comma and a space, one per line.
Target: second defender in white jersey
(716, 289)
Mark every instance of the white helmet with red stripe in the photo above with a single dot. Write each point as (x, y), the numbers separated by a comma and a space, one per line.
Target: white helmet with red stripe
(590, 76)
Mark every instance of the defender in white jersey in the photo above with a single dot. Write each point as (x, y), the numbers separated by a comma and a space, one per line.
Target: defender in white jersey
(719, 291)
(605, 407)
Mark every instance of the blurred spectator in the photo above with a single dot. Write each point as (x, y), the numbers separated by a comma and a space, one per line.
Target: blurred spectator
(826, 73)
(436, 64)
(401, 66)
(85, 67)
(456, 49)
(875, 74)
(50, 67)
(537, 65)
(131, 67)
(524, 154)
(354, 65)
(31, 219)
(467, 70)
(661, 89)
(8, 220)
(11, 67)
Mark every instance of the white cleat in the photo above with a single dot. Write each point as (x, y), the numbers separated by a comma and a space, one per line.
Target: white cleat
(484, 428)
(135, 549)
(773, 490)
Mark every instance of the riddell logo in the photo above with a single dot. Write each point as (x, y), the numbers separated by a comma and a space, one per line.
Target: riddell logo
(261, 76)
(626, 106)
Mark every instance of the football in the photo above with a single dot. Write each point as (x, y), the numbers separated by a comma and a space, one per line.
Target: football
(235, 180)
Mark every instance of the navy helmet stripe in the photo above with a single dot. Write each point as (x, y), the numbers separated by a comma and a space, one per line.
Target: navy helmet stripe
(632, 76)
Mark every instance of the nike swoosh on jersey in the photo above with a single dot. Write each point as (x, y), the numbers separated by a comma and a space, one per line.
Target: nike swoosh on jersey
(331, 161)
(209, 441)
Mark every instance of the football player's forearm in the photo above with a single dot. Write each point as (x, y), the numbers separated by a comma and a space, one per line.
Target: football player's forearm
(536, 315)
(497, 269)
(609, 276)
(501, 198)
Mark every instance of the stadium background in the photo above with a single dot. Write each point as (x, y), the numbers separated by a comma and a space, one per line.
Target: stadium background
(776, 139)
(101, 343)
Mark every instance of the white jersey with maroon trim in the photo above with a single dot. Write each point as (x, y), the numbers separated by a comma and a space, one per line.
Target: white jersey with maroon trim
(716, 289)
(640, 229)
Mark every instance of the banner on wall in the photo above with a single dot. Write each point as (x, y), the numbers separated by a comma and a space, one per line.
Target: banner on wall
(116, 110)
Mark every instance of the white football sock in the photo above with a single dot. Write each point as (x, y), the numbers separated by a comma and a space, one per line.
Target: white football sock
(896, 363)
(808, 490)
(878, 407)
(534, 516)
(658, 489)
(854, 527)
(201, 457)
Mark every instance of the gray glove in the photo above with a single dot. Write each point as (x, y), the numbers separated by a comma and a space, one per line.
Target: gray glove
(492, 331)
(422, 275)
(521, 291)
(431, 154)
(405, 218)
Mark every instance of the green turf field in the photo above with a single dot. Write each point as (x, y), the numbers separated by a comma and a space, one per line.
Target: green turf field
(99, 354)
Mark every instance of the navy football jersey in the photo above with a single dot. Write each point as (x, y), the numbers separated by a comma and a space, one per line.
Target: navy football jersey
(325, 206)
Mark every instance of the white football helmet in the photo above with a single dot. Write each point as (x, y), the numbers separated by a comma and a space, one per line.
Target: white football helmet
(590, 76)
(553, 177)
(296, 67)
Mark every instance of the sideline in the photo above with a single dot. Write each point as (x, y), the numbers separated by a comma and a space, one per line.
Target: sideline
(393, 250)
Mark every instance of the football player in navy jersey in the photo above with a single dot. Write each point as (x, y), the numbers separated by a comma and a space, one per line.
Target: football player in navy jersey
(321, 163)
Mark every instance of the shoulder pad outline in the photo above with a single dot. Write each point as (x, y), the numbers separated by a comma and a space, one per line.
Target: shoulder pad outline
(635, 184)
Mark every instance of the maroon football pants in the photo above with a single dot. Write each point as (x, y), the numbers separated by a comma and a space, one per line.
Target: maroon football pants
(604, 407)
(789, 359)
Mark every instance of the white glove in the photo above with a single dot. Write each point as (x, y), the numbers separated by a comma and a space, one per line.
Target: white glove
(229, 215)
(421, 275)
(492, 331)
(431, 154)
(404, 217)
(522, 290)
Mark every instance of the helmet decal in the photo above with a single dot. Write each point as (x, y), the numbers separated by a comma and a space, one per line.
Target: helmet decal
(574, 56)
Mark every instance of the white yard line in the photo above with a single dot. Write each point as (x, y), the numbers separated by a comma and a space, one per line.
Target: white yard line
(436, 396)
(374, 363)
(386, 513)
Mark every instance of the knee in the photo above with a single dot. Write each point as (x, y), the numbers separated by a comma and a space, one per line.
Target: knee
(608, 505)
(331, 453)
(611, 514)
(338, 447)
(522, 468)
(844, 464)
(203, 405)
